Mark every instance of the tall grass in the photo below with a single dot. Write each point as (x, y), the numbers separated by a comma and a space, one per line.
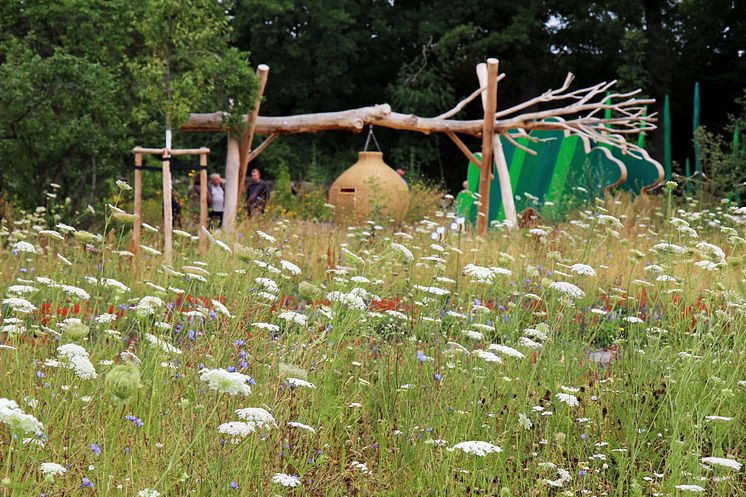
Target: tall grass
(392, 391)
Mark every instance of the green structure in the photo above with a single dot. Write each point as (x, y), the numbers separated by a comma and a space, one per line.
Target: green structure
(564, 171)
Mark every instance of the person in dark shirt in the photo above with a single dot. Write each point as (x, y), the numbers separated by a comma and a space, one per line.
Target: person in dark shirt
(257, 194)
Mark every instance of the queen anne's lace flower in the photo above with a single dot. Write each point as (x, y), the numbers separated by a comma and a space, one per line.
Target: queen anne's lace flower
(226, 382)
(398, 247)
(487, 356)
(505, 350)
(722, 461)
(258, 416)
(16, 419)
(286, 480)
(477, 448)
(297, 382)
(52, 469)
(583, 270)
(568, 399)
(567, 289)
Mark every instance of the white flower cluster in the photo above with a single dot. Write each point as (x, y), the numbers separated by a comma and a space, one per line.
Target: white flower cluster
(77, 359)
(477, 448)
(224, 381)
(16, 419)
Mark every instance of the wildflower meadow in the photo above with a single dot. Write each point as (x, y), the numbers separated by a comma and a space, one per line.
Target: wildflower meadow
(602, 356)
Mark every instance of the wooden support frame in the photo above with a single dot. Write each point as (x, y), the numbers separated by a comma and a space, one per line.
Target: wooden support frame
(266, 143)
(489, 102)
(464, 149)
(262, 73)
(166, 155)
(577, 114)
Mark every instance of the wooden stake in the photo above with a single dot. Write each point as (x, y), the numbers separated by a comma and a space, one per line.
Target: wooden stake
(506, 189)
(232, 166)
(487, 72)
(136, 229)
(203, 203)
(168, 222)
(266, 143)
(262, 72)
(464, 149)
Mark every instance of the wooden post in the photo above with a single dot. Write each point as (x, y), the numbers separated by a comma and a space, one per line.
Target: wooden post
(489, 100)
(262, 72)
(168, 222)
(506, 189)
(136, 229)
(232, 166)
(203, 202)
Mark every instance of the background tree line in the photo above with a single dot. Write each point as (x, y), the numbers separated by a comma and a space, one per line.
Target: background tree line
(82, 81)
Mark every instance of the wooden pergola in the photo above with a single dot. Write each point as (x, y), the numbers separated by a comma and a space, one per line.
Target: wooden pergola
(168, 223)
(581, 114)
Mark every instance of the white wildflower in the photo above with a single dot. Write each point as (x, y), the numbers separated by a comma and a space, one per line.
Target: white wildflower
(261, 417)
(505, 350)
(297, 382)
(568, 399)
(286, 480)
(567, 289)
(477, 448)
(722, 461)
(52, 469)
(226, 382)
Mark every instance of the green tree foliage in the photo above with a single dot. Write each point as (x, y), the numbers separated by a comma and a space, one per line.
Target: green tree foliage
(59, 122)
(82, 81)
(137, 66)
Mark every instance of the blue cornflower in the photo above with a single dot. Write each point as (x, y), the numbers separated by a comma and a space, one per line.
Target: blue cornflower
(421, 356)
(39, 374)
(234, 485)
(96, 449)
(437, 376)
(231, 369)
(85, 482)
(244, 364)
(191, 334)
(252, 381)
(239, 343)
(135, 420)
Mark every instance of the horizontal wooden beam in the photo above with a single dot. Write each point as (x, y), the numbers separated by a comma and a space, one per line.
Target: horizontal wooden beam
(354, 120)
(173, 151)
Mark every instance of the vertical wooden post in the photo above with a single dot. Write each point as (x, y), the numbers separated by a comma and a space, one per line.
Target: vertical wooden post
(485, 176)
(168, 222)
(232, 166)
(203, 202)
(506, 189)
(262, 72)
(136, 229)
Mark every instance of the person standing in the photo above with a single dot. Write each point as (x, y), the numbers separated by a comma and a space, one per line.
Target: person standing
(402, 172)
(216, 195)
(257, 194)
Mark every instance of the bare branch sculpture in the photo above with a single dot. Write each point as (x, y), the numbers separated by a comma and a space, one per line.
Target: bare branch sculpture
(575, 112)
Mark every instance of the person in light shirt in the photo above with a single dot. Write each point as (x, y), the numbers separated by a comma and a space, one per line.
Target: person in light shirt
(216, 199)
